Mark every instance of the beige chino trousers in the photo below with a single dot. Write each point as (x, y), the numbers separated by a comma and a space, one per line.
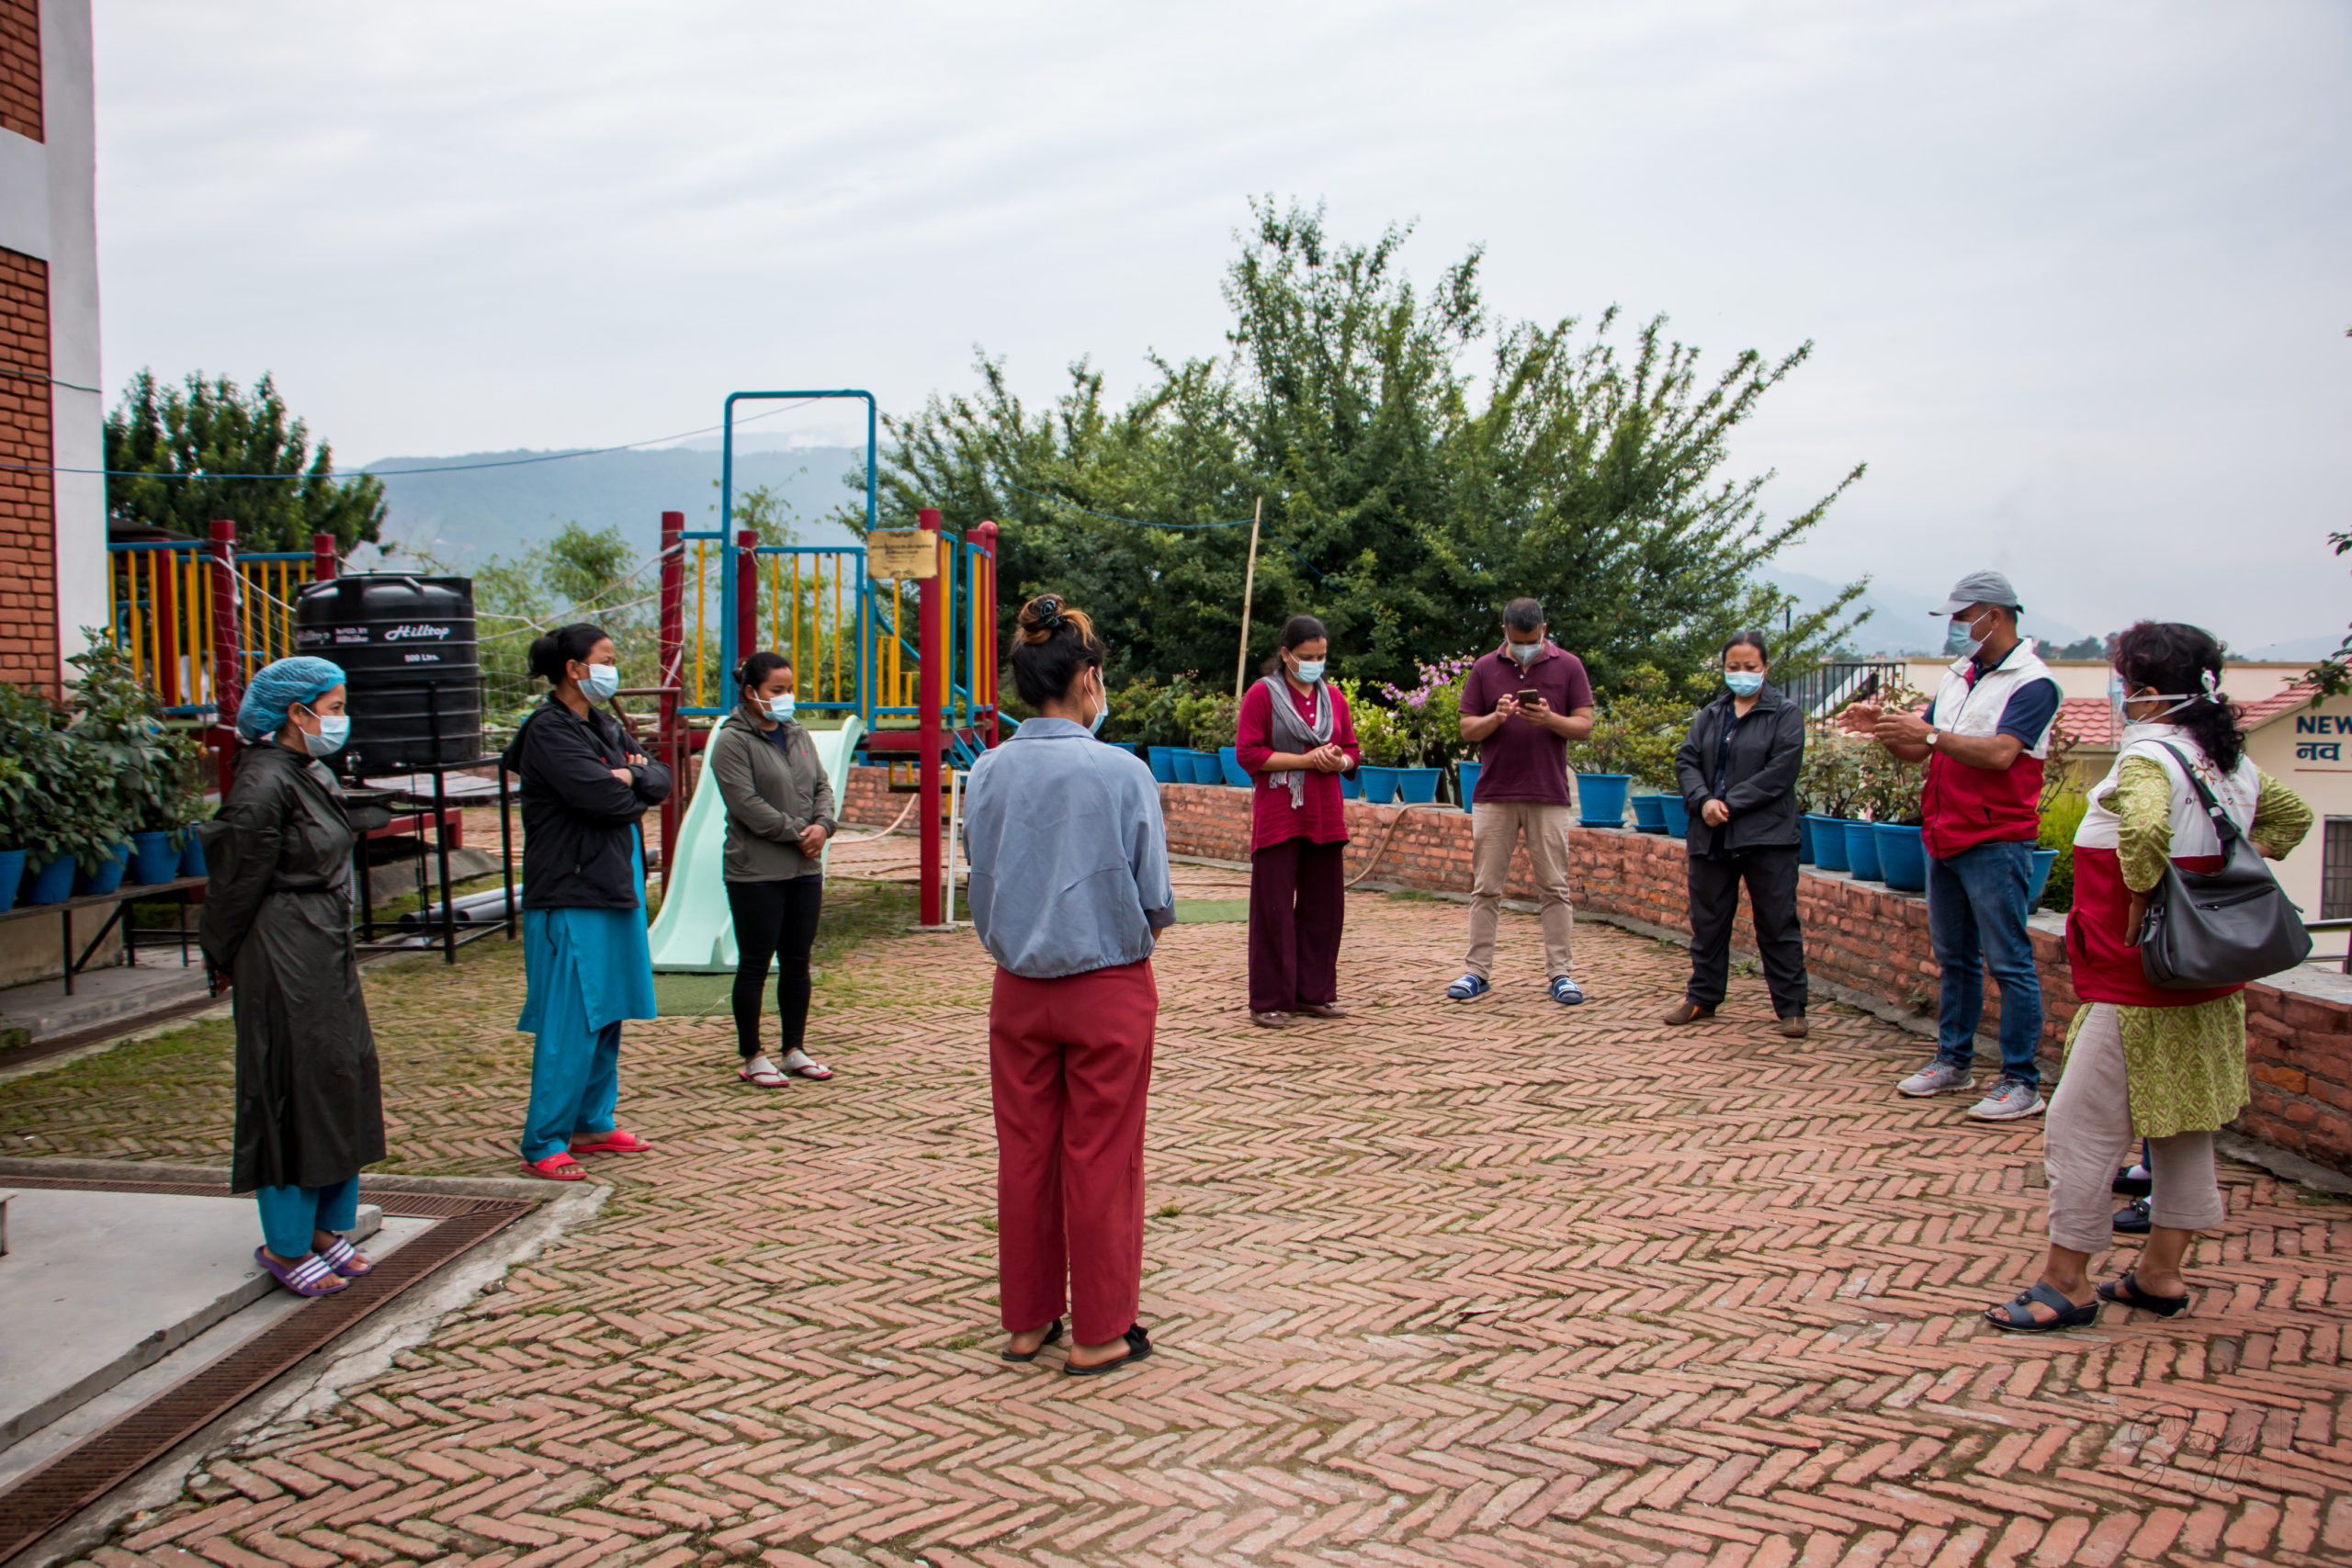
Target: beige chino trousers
(2087, 1134)
(1495, 829)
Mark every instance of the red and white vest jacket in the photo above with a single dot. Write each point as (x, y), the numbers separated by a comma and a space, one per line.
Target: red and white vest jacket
(1962, 806)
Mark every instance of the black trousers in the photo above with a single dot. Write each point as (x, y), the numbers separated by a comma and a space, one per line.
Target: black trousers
(773, 920)
(1771, 878)
(1298, 909)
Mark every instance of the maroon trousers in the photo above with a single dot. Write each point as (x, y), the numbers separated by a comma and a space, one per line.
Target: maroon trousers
(1069, 1066)
(1298, 903)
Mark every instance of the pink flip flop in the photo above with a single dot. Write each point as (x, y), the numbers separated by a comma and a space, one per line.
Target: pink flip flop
(555, 1168)
(616, 1142)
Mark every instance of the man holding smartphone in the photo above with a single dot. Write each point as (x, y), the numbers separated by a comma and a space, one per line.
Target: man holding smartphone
(1523, 704)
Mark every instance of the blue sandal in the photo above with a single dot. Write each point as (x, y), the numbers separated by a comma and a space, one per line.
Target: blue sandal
(2015, 1317)
(1467, 988)
(1566, 992)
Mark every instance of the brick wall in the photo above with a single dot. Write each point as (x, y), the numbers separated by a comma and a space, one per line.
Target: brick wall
(21, 67)
(28, 516)
(1860, 935)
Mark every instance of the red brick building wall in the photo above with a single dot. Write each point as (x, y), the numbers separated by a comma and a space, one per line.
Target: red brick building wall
(21, 67)
(28, 513)
(1861, 935)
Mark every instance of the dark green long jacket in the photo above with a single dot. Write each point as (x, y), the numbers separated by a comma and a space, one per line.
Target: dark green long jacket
(278, 921)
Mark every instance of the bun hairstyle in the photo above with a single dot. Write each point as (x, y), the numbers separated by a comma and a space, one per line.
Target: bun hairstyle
(2167, 656)
(756, 670)
(565, 646)
(1052, 644)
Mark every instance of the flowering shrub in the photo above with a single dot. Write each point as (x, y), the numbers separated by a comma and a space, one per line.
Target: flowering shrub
(1427, 715)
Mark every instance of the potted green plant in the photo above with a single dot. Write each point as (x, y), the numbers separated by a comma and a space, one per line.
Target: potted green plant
(144, 767)
(1382, 738)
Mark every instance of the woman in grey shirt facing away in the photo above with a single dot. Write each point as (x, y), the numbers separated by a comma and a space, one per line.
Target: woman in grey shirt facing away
(1069, 884)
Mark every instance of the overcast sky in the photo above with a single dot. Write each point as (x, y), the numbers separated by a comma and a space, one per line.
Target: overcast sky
(2075, 274)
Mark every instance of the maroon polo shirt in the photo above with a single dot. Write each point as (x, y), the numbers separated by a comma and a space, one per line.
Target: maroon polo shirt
(1522, 760)
(1272, 818)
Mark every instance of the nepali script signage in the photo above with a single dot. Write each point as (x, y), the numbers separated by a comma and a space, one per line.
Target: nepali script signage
(2318, 724)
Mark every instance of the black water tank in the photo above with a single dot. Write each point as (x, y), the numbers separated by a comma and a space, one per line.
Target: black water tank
(406, 644)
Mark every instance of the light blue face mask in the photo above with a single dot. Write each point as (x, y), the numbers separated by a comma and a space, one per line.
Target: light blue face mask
(1744, 682)
(780, 708)
(335, 730)
(1102, 712)
(602, 681)
(1310, 671)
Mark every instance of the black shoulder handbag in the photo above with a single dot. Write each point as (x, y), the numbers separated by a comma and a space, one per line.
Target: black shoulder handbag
(2221, 927)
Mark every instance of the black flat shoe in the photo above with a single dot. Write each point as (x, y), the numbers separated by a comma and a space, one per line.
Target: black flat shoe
(1138, 1348)
(2127, 1185)
(1053, 1334)
(2133, 1218)
(2125, 1291)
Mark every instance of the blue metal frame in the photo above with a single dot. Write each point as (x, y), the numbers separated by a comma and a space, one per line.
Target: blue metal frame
(727, 627)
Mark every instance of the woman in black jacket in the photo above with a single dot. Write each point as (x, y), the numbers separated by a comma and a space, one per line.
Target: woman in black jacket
(585, 786)
(276, 926)
(1738, 773)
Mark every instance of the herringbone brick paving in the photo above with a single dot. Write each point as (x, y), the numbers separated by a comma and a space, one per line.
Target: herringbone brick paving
(1504, 1283)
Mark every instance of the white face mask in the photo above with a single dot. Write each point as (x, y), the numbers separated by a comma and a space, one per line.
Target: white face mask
(780, 708)
(335, 730)
(2119, 703)
(1524, 652)
(602, 681)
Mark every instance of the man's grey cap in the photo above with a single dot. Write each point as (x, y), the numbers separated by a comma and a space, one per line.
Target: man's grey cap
(1978, 588)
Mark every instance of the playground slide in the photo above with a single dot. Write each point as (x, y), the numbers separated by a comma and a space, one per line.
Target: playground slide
(694, 933)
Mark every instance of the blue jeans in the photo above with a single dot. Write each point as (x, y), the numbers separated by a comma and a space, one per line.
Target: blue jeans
(1976, 912)
(290, 1215)
(575, 1084)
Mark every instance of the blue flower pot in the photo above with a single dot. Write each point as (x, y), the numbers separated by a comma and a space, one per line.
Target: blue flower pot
(12, 876)
(107, 878)
(1649, 813)
(2040, 878)
(192, 857)
(1600, 799)
(50, 883)
(1828, 841)
(1379, 784)
(1230, 761)
(1468, 772)
(1677, 816)
(1163, 763)
(1861, 850)
(1187, 766)
(153, 859)
(1350, 787)
(1901, 857)
(1207, 769)
(1417, 786)
(1804, 838)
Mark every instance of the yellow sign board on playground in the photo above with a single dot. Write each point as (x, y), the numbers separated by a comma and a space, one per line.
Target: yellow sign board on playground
(901, 552)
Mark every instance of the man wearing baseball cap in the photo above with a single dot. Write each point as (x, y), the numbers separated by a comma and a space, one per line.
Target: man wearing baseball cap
(1984, 739)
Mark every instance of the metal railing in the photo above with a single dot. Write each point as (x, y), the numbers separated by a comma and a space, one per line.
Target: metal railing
(1825, 688)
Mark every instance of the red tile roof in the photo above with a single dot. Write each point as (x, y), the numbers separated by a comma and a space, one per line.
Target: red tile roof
(2092, 723)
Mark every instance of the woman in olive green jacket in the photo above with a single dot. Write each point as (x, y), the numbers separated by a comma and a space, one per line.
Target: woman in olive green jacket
(779, 814)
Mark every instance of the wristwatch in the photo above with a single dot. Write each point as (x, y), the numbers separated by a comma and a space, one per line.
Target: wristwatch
(1933, 736)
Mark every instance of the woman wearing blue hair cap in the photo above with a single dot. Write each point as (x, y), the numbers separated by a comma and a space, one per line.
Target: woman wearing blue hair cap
(276, 925)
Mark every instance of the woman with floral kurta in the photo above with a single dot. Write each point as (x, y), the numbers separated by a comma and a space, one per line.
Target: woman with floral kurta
(2165, 1064)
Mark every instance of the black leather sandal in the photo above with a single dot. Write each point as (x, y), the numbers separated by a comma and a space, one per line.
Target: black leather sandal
(1138, 1348)
(2016, 1317)
(2125, 1291)
(1053, 1334)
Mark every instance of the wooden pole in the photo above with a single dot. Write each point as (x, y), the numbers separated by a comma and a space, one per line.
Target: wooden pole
(1248, 585)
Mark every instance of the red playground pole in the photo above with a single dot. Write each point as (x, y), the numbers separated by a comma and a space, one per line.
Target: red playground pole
(670, 675)
(747, 595)
(228, 668)
(322, 562)
(929, 697)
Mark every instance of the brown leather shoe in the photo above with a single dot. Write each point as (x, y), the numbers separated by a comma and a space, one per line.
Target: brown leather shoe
(1322, 1009)
(1795, 1027)
(1271, 1019)
(1688, 1011)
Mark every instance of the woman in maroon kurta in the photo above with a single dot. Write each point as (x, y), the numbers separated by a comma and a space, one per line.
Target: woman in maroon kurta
(1295, 739)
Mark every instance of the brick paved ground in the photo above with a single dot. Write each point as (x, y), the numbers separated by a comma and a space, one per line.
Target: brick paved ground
(1499, 1284)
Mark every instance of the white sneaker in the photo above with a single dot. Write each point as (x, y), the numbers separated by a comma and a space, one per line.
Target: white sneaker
(2010, 1098)
(1936, 1078)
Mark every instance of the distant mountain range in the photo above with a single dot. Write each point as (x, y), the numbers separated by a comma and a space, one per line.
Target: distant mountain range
(481, 504)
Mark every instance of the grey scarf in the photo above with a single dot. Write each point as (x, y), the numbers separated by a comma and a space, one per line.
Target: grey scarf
(1290, 734)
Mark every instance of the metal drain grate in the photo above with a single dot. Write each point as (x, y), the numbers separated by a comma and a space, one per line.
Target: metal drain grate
(87, 1472)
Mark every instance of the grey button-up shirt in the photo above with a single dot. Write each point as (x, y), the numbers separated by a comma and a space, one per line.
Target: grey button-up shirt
(1069, 855)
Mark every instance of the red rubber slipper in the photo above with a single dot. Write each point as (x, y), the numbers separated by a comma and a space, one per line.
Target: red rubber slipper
(556, 1167)
(616, 1142)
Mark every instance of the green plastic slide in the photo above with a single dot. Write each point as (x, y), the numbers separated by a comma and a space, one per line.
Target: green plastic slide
(694, 933)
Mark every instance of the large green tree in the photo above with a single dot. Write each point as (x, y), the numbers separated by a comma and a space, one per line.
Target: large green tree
(1421, 464)
(179, 458)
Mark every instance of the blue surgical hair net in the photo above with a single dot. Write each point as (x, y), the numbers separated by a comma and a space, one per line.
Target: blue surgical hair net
(276, 687)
